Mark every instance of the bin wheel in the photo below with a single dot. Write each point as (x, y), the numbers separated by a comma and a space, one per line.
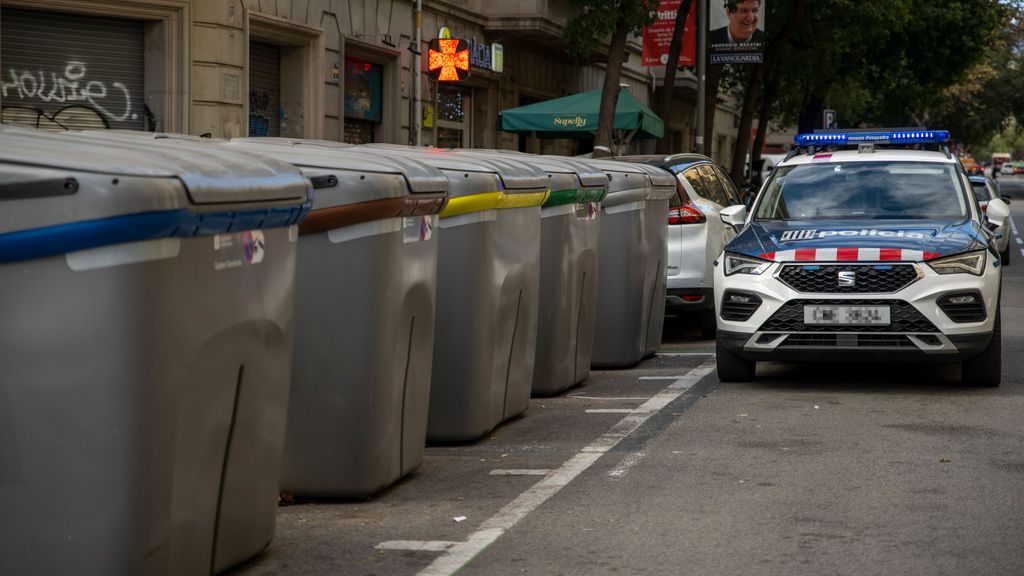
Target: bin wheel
(708, 323)
(986, 369)
(731, 366)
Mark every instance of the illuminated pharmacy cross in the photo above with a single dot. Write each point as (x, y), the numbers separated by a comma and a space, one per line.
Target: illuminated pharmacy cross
(449, 60)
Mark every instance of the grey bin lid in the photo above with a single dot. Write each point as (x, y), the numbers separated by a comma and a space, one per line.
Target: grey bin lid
(663, 182)
(419, 178)
(213, 174)
(515, 176)
(564, 172)
(72, 191)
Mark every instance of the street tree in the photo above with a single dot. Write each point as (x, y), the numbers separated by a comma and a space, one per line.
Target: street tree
(668, 88)
(588, 32)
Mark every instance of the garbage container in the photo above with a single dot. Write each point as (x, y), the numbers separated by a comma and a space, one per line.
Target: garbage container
(365, 294)
(568, 270)
(487, 291)
(146, 344)
(631, 263)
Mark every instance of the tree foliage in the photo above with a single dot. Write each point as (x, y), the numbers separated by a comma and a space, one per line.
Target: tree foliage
(881, 62)
(589, 30)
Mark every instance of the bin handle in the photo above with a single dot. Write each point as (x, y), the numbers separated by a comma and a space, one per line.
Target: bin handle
(325, 181)
(38, 189)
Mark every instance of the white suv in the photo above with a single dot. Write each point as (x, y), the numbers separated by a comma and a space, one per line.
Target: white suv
(696, 233)
(866, 254)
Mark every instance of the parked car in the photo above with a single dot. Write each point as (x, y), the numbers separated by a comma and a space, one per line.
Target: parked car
(696, 233)
(984, 190)
(1007, 168)
(864, 252)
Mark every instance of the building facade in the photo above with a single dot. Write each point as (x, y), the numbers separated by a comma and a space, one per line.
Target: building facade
(334, 69)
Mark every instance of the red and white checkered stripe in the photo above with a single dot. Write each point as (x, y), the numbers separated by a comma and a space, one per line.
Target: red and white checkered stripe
(849, 255)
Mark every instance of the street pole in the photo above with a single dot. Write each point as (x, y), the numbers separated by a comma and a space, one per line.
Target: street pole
(417, 108)
(701, 72)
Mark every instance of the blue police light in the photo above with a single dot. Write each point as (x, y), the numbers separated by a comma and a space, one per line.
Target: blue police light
(889, 137)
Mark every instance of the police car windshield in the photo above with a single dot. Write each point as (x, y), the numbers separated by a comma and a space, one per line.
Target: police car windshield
(863, 190)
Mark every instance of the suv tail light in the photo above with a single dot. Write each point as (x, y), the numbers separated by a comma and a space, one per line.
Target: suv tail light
(984, 207)
(685, 214)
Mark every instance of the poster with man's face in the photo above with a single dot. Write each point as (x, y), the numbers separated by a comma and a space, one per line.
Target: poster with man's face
(737, 32)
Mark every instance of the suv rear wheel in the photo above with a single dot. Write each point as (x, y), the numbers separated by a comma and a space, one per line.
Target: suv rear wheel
(986, 369)
(1004, 256)
(731, 366)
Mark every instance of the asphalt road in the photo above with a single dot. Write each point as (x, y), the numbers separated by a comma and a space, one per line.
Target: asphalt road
(661, 469)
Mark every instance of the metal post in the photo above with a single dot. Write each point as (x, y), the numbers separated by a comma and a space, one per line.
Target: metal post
(701, 73)
(417, 109)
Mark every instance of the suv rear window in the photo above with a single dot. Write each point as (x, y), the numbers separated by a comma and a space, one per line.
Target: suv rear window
(864, 190)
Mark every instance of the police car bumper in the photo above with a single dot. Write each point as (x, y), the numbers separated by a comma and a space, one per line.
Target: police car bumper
(939, 318)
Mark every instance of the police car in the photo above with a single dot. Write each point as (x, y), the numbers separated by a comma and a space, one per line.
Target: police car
(863, 246)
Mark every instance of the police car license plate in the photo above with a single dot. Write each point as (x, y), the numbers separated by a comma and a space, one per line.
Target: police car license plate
(846, 315)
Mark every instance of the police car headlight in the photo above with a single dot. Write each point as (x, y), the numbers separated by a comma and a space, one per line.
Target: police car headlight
(969, 263)
(736, 264)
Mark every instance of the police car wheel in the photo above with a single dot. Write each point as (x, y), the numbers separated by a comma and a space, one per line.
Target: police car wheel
(986, 369)
(1004, 256)
(708, 323)
(732, 367)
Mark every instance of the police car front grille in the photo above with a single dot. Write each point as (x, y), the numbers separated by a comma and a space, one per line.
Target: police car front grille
(869, 278)
(903, 317)
(847, 341)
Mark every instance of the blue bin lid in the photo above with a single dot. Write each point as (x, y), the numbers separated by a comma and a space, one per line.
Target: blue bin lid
(63, 192)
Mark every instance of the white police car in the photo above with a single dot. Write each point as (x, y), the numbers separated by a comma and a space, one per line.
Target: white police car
(860, 248)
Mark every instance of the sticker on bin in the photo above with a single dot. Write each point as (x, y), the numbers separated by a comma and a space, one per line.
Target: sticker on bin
(586, 211)
(417, 228)
(239, 249)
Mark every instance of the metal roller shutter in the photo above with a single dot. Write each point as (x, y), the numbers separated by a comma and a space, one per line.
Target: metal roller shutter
(264, 89)
(69, 71)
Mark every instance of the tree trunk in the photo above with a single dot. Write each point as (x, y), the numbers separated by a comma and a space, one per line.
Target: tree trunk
(713, 75)
(671, 67)
(739, 155)
(610, 92)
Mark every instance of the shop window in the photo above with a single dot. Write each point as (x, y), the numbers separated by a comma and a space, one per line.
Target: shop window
(364, 88)
(453, 119)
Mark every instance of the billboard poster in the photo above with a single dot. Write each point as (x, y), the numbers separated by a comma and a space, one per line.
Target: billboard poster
(737, 32)
(658, 35)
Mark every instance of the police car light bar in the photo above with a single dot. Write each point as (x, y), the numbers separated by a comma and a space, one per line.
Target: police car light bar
(893, 137)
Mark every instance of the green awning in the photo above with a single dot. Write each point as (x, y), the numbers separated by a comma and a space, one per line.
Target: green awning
(576, 116)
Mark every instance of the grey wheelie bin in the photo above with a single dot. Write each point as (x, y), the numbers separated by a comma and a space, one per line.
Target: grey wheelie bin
(146, 342)
(568, 270)
(487, 291)
(631, 263)
(365, 294)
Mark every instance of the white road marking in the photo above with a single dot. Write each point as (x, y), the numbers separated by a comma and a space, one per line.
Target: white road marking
(1019, 241)
(628, 462)
(660, 377)
(674, 354)
(454, 558)
(633, 398)
(416, 545)
(609, 411)
(522, 472)
(1013, 225)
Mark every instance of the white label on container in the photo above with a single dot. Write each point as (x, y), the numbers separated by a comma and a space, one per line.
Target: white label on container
(121, 254)
(418, 228)
(471, 218)
(552, 211)
(627, 207)
(364, 230)
(587, 211)
(239, 249)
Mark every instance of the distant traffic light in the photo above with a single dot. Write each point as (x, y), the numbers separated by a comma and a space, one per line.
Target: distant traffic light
(448, 59)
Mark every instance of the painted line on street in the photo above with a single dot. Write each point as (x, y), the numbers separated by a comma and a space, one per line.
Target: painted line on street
(627, 463)
(456, 557)
(1019, 241)
(522, 472)
(677, 377)
(613, 398)
(609, 410)
(416, 545)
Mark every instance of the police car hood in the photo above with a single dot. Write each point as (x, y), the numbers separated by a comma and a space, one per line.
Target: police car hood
(865, 240)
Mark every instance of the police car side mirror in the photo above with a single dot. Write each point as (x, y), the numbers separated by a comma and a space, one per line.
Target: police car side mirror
(735, 216)
(997, 213)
